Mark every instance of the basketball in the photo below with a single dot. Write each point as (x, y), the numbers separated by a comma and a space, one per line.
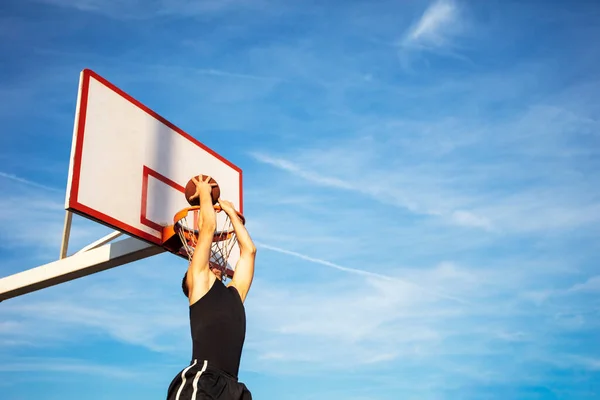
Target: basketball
(190, 189)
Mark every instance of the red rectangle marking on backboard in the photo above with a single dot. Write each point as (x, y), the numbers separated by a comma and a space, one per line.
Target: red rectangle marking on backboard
(146, 174)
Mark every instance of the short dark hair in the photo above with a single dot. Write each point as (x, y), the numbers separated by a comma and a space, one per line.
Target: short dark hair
(184, 285)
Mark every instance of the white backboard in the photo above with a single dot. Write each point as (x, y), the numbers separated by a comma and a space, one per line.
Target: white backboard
(129, 165)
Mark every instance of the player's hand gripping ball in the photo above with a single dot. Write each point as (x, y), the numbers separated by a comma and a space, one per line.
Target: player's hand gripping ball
(191, 189)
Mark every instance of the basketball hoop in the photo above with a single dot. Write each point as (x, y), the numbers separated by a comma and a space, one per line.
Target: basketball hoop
(224, 238)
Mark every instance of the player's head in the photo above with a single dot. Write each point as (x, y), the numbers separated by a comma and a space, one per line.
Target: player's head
(217, 270)
(184, 286)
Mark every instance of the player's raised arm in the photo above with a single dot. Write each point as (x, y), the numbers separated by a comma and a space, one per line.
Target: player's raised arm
(244, 269)
(198, 276)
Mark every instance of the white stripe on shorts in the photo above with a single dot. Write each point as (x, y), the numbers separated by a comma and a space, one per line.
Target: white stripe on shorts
(198, 377)
(183, 380)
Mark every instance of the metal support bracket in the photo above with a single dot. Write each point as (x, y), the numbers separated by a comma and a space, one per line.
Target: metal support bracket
(96, 257)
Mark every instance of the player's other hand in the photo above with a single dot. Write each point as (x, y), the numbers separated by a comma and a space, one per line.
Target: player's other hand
(227, 206)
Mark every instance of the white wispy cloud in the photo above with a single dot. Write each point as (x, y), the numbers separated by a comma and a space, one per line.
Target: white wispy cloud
(230, 74)
(323, 262)
(139, 9)
(62, 366)
(382, 191)
(355, 324)
(179, 70)
(590, 285)
(395, 318)
(438, 22)
(37, 223)
(443, 169)
(466, 218)
(357, 320)
(366, 274)
(29, 182)
(289, 166)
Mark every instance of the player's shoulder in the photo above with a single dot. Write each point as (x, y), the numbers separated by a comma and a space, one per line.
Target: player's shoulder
(231, 287)
(234, 290)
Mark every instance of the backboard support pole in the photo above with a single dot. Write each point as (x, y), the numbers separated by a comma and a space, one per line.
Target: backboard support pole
(100, 242)
(64, 246)
(78, 265)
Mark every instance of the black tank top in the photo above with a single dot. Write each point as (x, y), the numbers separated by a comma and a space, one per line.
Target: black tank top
(218, 325)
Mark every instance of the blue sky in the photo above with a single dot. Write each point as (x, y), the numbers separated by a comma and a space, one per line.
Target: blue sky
(420, 179)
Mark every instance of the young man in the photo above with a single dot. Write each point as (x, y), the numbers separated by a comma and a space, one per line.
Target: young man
(217, 315)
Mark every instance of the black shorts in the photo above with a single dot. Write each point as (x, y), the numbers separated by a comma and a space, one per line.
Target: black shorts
(200, 381)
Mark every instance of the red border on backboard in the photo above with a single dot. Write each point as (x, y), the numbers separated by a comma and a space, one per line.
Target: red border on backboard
(74, 204)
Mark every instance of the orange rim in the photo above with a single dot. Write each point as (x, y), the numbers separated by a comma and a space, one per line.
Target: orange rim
(181, 214)
(191, 234)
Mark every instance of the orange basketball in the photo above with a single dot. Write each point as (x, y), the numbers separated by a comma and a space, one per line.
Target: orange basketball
(190, 189)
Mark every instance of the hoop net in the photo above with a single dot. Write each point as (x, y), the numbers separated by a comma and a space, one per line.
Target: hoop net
(224, 237)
